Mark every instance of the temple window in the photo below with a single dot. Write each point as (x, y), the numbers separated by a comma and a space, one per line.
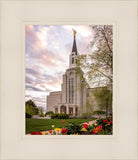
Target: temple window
(72, 60)
(71, 90)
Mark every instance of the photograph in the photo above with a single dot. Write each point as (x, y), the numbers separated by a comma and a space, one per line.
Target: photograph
(69, 79)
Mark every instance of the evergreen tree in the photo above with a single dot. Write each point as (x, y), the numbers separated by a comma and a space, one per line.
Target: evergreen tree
(31, 107)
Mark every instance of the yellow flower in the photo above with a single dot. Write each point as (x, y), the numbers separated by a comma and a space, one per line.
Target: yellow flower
(43, 133)
(57, 129)
(76, 134)
(95, 124)
(84, 129)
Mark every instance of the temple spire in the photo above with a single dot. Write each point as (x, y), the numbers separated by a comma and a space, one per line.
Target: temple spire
(74, 48)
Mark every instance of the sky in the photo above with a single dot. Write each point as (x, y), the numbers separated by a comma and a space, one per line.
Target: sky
(47, 50)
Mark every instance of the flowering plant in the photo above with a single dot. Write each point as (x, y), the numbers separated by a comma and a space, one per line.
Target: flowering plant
(84, 129)
(57, 129)
(36, 133)
(50, 131)
(85, 126)
(101, 126)
(64, 130)
(105, 121)
(98, 129)
(106, 125)
(73, 128)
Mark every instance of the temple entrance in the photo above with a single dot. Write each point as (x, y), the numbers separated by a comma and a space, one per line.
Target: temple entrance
(70, 111)
(63, 109)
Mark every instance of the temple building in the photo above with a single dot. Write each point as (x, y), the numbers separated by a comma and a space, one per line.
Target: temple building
(74, 95)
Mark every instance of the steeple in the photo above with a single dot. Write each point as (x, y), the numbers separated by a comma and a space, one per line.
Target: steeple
(74, 54)
(74, 48)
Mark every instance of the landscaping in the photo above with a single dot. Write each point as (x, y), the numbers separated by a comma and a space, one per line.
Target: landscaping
(36, 125)
(101, 126)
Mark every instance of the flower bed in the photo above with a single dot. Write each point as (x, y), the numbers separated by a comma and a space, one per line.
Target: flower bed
(100, 127)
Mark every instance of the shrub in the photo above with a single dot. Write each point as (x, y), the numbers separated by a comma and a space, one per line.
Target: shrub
(107, 124)
(99, 113)
(49, 113)
(87, 115)
(27, 115)
(59, 116)
(73, 128)
(41, 115)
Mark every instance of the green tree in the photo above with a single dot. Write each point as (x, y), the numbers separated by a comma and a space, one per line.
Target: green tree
(31, 103)
(98, 66)
(29, 110)
(103, 96)
(31, 107)
(41, 112)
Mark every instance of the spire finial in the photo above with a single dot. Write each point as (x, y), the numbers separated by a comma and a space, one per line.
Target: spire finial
(74, 32)
(74, 48)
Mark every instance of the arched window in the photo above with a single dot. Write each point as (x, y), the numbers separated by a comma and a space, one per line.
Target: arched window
(71, 74)
(63, 109)
(71, 87)
(72, 60)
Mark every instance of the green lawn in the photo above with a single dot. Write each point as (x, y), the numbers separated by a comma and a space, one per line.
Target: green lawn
(33, 125)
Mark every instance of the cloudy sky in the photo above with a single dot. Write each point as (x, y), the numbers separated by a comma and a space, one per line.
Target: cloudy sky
(47, 57)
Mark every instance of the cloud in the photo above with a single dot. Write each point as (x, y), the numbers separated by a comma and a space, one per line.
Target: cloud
(36, 49)
(32, 71)
(31, 88)
(47, 56)
(28, 80)
(39, 101)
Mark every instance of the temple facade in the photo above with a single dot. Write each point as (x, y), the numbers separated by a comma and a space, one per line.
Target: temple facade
(75, 92)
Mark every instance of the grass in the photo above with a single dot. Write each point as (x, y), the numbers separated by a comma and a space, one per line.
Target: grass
(37, 125)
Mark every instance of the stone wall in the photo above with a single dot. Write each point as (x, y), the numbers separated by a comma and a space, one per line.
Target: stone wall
(53, 100)
(64, 89)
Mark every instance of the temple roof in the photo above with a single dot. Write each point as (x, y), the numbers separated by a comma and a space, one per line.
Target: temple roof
(74, 48)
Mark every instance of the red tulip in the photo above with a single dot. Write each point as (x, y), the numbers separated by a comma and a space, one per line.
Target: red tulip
(64, 131)
(33, 133)
(105, 121)
(87, 122)
(85, 126)
(63, 121)
(36, 133)
(94, 131)
(100, 126)
(50, 131)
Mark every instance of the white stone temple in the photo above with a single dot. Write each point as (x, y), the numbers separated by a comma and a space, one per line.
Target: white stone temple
(74, 94)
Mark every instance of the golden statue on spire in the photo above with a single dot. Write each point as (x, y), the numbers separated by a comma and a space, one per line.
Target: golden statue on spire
(74, 32)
